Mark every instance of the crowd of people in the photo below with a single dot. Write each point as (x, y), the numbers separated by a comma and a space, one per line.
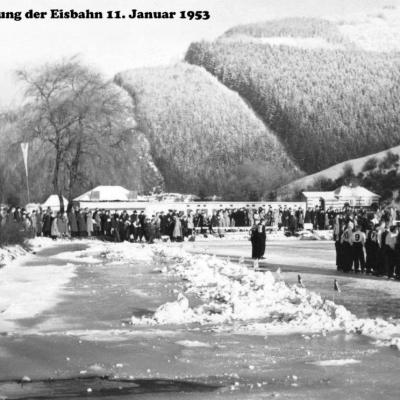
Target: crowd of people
(177, 225)
(366, 241)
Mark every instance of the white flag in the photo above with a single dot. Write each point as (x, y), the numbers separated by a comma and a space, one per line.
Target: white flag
(24, 148)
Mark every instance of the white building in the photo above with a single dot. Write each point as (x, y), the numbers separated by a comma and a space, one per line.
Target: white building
(353, 196)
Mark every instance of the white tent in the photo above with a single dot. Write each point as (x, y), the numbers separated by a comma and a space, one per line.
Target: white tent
(54, 203)
(32, 206)
(108, 193)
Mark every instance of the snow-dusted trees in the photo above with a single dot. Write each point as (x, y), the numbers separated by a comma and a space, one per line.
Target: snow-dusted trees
(326, 105)
(82, 119)
(201, 132)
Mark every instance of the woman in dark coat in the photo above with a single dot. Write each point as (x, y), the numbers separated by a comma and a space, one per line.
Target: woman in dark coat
(80, 218)
(261, 239)
(47, 221)
(39, 222)
(258, 237)
(115, 228)
(73, 223)
(253, 240)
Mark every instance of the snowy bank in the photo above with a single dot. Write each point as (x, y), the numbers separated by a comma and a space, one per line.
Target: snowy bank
(10, 253)
(236, 298)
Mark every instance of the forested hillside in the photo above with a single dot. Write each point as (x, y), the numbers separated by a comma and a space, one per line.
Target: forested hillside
(204, 138)
(326, 106)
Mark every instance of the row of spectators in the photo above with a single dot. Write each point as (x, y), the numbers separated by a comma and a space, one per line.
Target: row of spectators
(136, 226)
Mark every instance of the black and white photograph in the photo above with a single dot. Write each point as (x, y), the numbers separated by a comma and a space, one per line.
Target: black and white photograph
(199, 199)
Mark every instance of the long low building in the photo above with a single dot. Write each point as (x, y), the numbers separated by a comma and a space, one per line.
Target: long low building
(118, 198)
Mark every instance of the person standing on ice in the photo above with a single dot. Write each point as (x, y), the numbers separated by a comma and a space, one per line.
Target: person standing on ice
(34, 223)
(257, 238)
(149, 230)
(89, 223)
(347, 255)
(383, 231)
(47, 222)
(177, 230)
(390, 242)
(358, 242)
(190, 223)
(254, 241)
(3, 217)
(371, 249)
(55, 233)
(39, 222)
(337, 234)
(397, 258)
(115, 228)
(62, 224)
(73, 224)
(262, 238)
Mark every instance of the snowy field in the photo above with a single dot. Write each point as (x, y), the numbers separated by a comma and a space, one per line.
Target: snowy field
(194, 320)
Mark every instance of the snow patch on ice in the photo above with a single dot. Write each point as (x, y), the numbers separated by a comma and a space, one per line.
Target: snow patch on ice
(336, 363)
(82, 256)
(192, 343)
(234, 297)
(115, 335)
(124, 252)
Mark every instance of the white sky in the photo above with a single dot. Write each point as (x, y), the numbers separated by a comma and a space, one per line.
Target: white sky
(115, 45)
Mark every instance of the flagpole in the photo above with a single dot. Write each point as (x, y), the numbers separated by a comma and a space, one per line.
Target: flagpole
(24, 148)
(27, 186)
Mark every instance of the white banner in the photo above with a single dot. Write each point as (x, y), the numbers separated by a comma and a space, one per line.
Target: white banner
(24, 148)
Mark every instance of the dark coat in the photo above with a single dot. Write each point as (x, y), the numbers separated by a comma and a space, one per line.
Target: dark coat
(72, 221)
(47, 220)
(80, 219)
(258, 237)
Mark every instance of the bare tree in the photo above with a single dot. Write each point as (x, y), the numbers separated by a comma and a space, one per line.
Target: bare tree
(80, 114)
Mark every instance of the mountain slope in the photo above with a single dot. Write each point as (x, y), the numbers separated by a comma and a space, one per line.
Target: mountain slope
(200, 131)
(325, 105)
